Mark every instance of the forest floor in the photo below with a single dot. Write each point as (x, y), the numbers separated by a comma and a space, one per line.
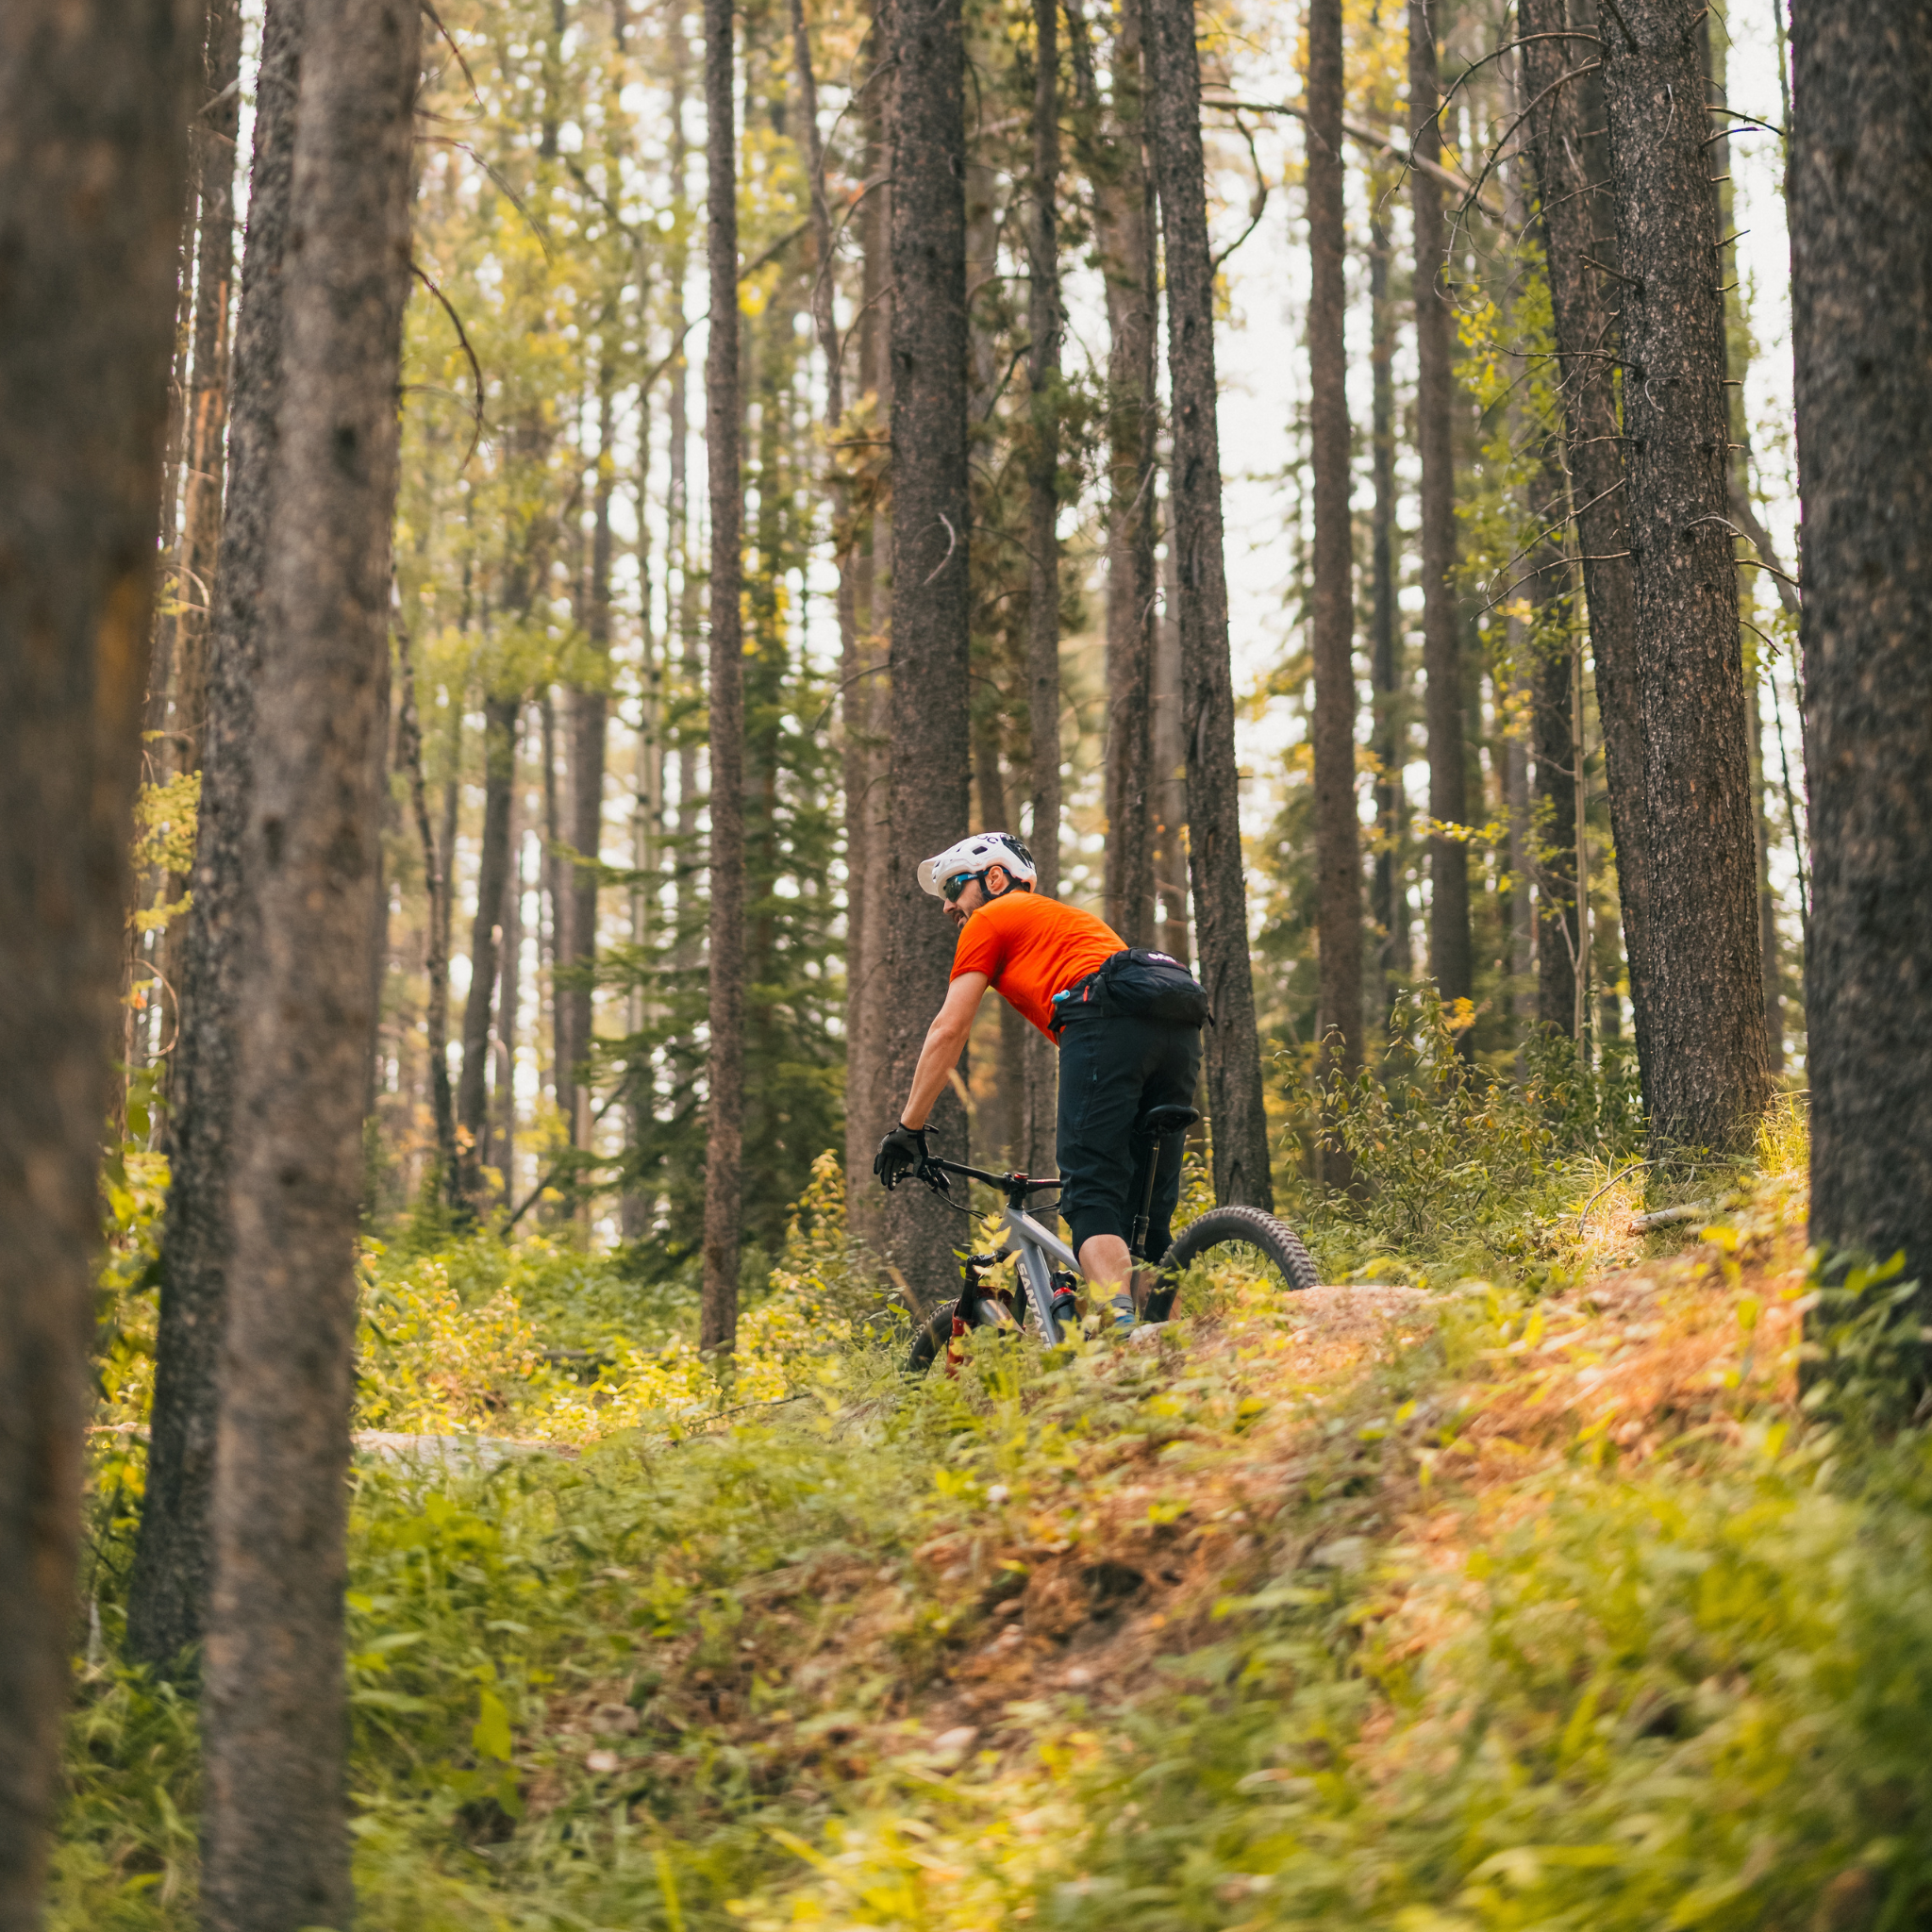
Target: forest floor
(1420, 1608)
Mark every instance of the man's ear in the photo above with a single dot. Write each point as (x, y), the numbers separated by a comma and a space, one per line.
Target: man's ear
(996, 881)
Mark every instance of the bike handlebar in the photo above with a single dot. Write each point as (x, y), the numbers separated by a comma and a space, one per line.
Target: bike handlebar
(1006, 1181)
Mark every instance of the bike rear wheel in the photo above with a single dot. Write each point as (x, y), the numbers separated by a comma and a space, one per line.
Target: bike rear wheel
(1221, 1228)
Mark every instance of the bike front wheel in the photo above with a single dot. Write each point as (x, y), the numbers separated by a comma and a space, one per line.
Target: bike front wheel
(1228, 1228)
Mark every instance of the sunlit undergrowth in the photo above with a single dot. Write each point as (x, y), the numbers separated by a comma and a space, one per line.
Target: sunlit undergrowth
(1475, 1608)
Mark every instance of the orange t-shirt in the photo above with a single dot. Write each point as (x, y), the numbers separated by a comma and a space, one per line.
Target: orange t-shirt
(1031, 948)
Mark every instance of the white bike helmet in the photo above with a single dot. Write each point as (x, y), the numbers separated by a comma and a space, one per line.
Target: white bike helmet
(975, 855)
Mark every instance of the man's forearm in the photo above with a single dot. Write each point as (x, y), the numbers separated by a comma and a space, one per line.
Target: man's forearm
(944, 1042)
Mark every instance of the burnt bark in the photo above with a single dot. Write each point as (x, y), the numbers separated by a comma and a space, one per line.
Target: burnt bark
(929, 747)
(1235, 1108)
(1451, 962)
(1862, 335)
(725, 1126)
(168, 1588)
(93, 103)
(1388, 892)
(1124, 215)
(492, 869)
(1337, 832)
(1692, 952)
(276, 1718)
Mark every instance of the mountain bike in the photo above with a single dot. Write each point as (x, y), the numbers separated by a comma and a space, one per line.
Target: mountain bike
(1041, 1296)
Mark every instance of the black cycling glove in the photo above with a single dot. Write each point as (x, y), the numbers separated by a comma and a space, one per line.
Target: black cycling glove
(902, 1152)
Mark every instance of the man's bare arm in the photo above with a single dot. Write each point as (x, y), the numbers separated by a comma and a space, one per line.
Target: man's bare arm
(945, 1040)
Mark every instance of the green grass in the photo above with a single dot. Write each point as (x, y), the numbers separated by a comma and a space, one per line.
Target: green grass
(1411, 1675)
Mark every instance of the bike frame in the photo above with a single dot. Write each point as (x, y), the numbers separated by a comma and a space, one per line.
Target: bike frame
(1035, 1246)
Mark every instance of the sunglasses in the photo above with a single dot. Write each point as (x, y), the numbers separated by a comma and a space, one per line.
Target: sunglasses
(953, 887)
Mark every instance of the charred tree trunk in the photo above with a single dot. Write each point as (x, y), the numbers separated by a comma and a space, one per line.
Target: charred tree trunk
(168, 1590)
(493, 868)
(929, 729)
(1693, 952)
(1337, 832)
(94, 102)
(1390, 902)
(276, 1718)
(1170, 773)
(1861, 231)
(1450, 959)
(1124, 197)
(1240, 1123)
(724, 1128)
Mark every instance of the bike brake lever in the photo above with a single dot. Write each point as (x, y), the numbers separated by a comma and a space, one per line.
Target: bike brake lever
(935, 1177)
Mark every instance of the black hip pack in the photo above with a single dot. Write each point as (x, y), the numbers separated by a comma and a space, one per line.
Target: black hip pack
(1143, 986)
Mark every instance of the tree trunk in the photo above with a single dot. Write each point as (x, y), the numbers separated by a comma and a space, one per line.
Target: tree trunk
(500, 716)
(1450, 959)
(1169, 770)
(930, 744)
(1045, 323)
(1861, 231)
(866, 1099)
(207, 399)
(1124, 215)
(509, 989)
(1004, 1123)
(1770, 962)
(1214, 835)
(1566, 107)
(853, 696)
(1693, 952)
(435, 869)
(276, 1718)
(590, 724)
(553, 872)
(95, 100)
(1389, 901)
(1552, 673)
(168, 1589)
(724, 1126)
(1337, 832)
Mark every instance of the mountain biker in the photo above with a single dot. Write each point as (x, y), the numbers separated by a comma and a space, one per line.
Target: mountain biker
(1127, 1025)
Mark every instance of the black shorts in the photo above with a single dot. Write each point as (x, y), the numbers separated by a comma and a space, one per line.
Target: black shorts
(1114, 1071)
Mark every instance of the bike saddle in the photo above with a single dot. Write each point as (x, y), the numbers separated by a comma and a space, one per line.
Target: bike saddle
(1163, 1121)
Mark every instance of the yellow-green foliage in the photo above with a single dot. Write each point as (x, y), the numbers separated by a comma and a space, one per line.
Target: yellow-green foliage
(692, 1678)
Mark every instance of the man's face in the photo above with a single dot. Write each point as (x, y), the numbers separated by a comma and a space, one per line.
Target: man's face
(975, 895)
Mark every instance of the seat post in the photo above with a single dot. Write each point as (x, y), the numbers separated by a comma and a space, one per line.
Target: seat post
(1137, 1248)
(1161, 1122)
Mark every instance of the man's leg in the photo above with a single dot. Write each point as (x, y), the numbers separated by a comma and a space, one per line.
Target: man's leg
(1102, 1071)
